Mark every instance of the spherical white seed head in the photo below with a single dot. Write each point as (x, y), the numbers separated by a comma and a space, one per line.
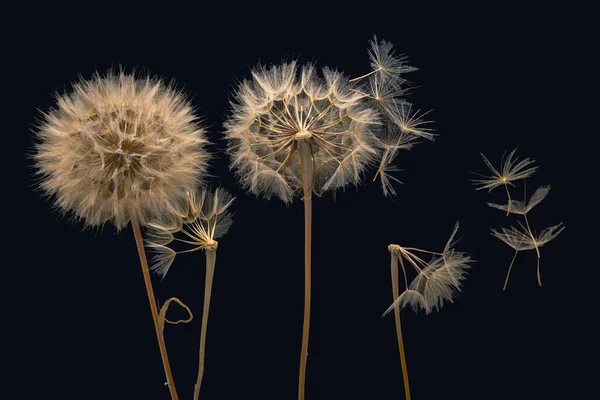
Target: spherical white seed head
(118, 145)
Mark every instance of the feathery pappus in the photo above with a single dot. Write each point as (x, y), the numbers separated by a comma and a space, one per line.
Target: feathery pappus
(200, 219)
(437, 280)
(118, 144)
(346, 125)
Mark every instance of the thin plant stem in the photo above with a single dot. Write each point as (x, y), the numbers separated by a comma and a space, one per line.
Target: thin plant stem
(509, 199)
(539, 277)
(211, 258)
(365, 75)
(509, 268)
(161, 342)
(306, 167)
(395, 293)
(537, 250)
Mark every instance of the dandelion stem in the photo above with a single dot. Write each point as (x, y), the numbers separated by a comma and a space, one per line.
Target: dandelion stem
(306, 166)
(537, 250)
(509, 268)
(395, 293)
(161, 342)
(211, 258)
(509, 199)
(539, 277)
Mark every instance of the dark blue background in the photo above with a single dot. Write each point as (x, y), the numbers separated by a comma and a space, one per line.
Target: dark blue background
(495, 79)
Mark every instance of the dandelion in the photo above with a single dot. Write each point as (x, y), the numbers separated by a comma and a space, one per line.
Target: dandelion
(120, 149)
(437, 282)
(201, 219)
(294, 131)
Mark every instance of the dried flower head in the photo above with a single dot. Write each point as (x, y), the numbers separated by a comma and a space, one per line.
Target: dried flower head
(511, 170)
(200, 219)
(288, 107)
(437, 280)
(117, 145)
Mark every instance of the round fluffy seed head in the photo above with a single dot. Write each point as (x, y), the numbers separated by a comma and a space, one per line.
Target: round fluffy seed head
(118, 145)
(285, 107)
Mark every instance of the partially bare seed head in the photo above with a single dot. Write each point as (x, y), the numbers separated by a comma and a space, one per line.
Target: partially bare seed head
(285, 107)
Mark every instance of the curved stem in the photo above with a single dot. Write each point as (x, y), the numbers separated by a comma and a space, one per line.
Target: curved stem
(306, 166)
(211, 258)
(154, 310)
(395, 294)
(509, 268)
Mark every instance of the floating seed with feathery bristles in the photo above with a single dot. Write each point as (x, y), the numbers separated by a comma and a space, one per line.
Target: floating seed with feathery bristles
(523, 238)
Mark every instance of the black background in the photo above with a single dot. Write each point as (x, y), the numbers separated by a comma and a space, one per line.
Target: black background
(495, 79)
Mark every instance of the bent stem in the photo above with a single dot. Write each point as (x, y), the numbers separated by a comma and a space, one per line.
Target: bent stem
(211, 258)
(154, 310)
(395, 293)
(306, 168)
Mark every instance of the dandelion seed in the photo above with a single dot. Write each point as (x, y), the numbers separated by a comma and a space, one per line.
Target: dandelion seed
(510, 171)
(400, 127)
(524, 239)
(385, 61)
(523, 207)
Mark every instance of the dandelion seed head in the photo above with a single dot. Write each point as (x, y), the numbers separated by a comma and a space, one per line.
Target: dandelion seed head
(118, 144)
(287, 106)
(437, 281)
(198, 221)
